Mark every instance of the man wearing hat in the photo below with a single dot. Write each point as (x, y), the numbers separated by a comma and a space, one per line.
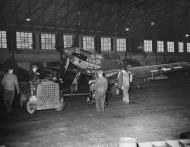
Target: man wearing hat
(9, 82)
(101, 85)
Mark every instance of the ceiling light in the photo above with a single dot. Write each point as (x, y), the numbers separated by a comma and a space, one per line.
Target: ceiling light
(152, 23)
(127, 29)
(28, 19)
(186, 35)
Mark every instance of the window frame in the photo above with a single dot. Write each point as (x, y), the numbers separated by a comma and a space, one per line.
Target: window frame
(105, 44)
(121, 44)
(88, 43)
(3, 39)
(47, 45)
(25, 39)
(180, 50)
(148, 46)
(170, 44)
(188, 47)
(160, 46)
(67, 40)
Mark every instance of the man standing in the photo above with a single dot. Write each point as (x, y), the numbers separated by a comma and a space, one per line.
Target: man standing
(9, 82)
(124, 84)
(101, 85)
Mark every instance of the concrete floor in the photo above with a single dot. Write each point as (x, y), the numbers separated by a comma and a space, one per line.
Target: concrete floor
(159, 112)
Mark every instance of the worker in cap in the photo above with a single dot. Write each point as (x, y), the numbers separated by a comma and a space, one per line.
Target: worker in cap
(10, 84)
(34, 74)
(101, 85)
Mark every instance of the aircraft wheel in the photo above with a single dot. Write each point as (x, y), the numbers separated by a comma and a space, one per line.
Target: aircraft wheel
(62, 105)
(114, 90)
(29, 107)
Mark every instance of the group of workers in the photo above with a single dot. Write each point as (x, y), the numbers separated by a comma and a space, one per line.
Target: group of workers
(101, 85)
(11, 86)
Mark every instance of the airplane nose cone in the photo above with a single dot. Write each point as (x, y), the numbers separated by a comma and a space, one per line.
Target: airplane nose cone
(66, 52)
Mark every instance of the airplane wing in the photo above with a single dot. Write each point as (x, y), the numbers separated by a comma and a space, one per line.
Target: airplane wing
(157, 70)
(149, 72)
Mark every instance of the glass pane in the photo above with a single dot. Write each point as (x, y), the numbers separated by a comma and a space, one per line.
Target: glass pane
(3, 39)
(24, 40)
(148, 45)
(105, 44)
(47, 41)
(88, 43)
(160, 46)
(121, 44)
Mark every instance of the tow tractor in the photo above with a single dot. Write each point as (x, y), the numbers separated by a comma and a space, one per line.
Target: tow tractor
(43, 94)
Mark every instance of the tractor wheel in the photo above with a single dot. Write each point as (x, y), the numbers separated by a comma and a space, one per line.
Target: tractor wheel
(29, 107)
(62, 105)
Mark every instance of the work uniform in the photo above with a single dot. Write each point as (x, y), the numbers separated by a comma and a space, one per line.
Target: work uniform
(101, 85)
(34, 81)
(123, 83)
(9, 82)
(33, 76)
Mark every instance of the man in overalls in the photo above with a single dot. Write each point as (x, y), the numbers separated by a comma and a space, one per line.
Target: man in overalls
(124, 83)
(101, 85)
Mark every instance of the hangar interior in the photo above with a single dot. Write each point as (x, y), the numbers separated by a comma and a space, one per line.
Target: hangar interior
(149, 32)
(143, 32)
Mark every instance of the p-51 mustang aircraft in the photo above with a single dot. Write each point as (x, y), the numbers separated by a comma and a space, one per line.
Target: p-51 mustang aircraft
(85, 63)
(89, 62)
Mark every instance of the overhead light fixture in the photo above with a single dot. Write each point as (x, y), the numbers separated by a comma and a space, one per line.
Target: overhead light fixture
(187, 35)
(28, 16)
(28, 19)
(152, 23)
(127, 29)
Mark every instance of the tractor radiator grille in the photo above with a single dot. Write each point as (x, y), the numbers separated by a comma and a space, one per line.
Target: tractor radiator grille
(48, 94)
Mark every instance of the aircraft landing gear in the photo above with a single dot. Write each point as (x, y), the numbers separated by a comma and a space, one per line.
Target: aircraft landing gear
(90, 99)
(114, 90)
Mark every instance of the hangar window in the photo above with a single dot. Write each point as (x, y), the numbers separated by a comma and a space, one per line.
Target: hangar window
(170, 46)
(88, 43)
(3, 39)
(47, 41)
(160, 46)
(68, 40)
(188, 47)
(121, 44)
(148, 45)
(105, 44)
(180, 47)
(24, 40)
